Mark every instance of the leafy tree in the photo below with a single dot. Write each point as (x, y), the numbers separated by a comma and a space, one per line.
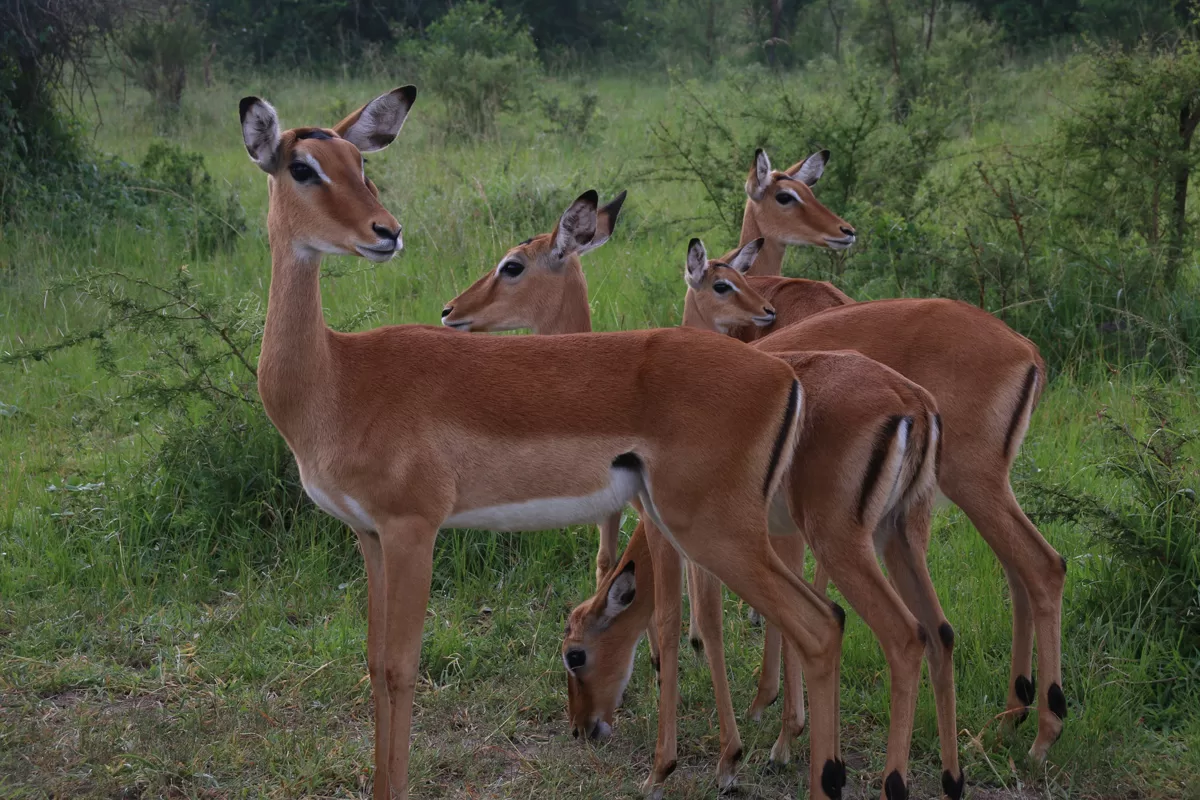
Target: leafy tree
(1132, 144)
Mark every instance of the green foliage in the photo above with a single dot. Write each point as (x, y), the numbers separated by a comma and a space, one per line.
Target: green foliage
(189, 198)
(571, 117)
(45, 52)
(1130, 148)
(479, 63)
(1146, 577)
(159, 48)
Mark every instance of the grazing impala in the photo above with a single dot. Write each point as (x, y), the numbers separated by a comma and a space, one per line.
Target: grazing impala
(403, 430)
(986, 379)
(869, 482)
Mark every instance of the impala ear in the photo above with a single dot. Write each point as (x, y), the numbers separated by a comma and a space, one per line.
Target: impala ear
(260, 132)
(577, 226)
(621, 593)
(606, 221)
(697, 264)
(760, 176)
(811, 169)
(743, 259)
(375, 125)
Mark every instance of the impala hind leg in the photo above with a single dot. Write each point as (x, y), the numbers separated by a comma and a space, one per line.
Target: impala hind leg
(742, 559)
(850, 562)
(904, 547)
(1037, 575)
(376, 628)
(606, 554)
(407, 547)
(706, 598)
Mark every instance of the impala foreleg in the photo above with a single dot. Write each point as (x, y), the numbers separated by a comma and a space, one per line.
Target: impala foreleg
(606, 555)
(407, 547)
(791, 551)
(706, 600)
(376, 628)
(668, 588)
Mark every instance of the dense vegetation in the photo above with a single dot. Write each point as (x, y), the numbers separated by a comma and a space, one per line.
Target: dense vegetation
(175, 617)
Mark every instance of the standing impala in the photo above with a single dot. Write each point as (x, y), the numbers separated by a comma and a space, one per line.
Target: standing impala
(781, 209)
(986, 379)
(545, 292)
(403, 430)
(862, 479)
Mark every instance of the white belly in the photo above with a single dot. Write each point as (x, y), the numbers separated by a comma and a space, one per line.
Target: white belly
(545, 513)
(345, 508)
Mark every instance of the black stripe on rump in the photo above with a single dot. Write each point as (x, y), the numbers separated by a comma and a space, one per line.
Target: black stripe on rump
(789, 419)
(1026, 394)
(878, 455)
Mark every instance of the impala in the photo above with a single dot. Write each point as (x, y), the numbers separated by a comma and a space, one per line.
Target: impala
(986, 379)
(864, 485)
(403, 430)
(781, 209)
(534, 288)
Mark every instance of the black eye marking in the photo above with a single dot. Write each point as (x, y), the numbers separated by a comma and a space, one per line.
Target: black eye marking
(576, 659)
(783, 198)
(722, 287)
(511, 269)
(301, 172)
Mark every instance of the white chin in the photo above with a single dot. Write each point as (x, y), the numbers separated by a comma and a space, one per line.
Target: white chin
(375, 255)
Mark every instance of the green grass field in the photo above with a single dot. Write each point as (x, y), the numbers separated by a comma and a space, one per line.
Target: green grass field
(231, 662)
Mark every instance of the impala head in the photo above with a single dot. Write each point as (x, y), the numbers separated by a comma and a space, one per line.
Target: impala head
(598, 649)
(530, 284)
(321, 200)
(718, 294)
(785, 209)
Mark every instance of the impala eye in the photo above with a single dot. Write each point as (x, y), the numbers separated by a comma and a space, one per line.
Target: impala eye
(784, 198)
(301, 172)
(722, 287)
(511, 269)
(576, 659)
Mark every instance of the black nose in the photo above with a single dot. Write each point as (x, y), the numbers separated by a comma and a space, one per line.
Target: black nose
(446, 311)
(847, 231)
(768, 312)
(387, 233)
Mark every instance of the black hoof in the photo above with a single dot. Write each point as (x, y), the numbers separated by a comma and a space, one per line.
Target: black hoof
(953, 788)
(697, 644)
(1026, 690)
(833, 778)
(894, 788)
(1057, 701)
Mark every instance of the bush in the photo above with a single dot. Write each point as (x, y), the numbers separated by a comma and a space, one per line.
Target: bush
(1145, 580)
(480, 64)
(571, 118)
(182, 188)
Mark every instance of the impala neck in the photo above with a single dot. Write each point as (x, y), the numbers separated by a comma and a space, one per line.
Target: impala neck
(295, 364)
(694, 317)
(573, 314)
(770, 257)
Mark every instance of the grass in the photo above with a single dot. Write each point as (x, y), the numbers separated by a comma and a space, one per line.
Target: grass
(135, 666)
